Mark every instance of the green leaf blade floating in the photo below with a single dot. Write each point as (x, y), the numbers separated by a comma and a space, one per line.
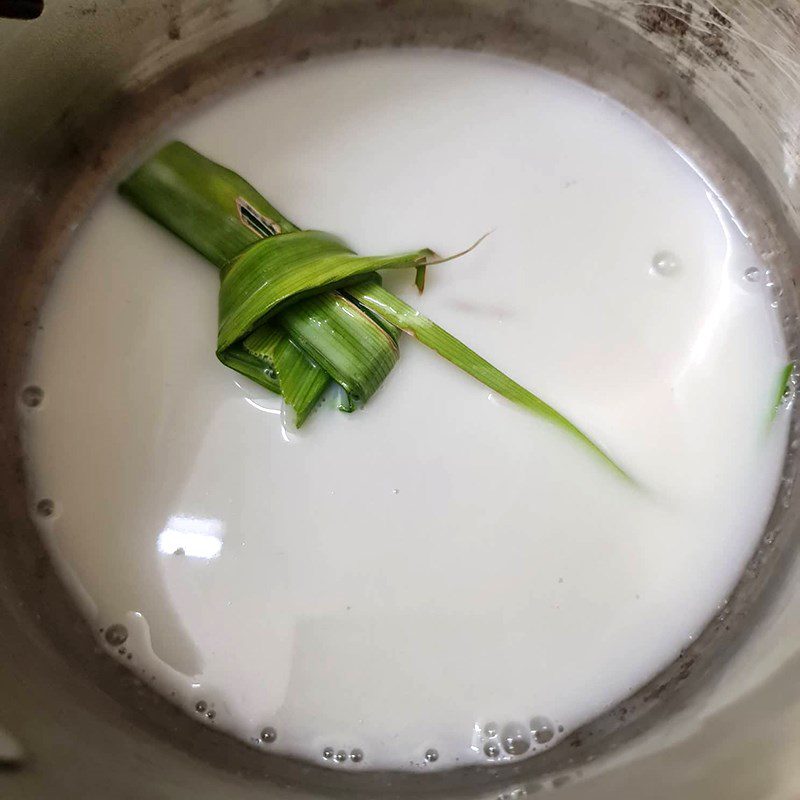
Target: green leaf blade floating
(301, 381)
(296, 307)
(260, 370)
(783, 389)
(266, 264)
(220, 215)
(211, 208)
(281, 270)
(371, 294)
(352, 348)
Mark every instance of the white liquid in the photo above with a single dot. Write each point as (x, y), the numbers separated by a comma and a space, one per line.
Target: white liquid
(397, 579)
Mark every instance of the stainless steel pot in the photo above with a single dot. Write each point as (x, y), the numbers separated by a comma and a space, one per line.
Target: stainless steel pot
(82, 86)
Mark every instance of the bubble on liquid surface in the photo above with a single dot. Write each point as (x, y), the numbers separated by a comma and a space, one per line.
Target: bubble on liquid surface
(341, 756)
(491, 749)
(32, 396)
(490, 730)
(542, 729)
(116, 635)
(268, 735)
(752, 275)
(201, 706)
(356, 755)
(327, 753)
(431, 755)
(211, 714)
(45, 507)
(664, 263)
(516, 739)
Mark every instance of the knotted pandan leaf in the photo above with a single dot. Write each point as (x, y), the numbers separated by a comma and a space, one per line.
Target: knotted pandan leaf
(298, 308)
(276, 272)
(267, 263)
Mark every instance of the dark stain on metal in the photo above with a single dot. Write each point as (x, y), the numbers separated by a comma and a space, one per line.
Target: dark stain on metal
(668, 21)
(702, 34)
(683, 673)
(717, 16)
(172, 7)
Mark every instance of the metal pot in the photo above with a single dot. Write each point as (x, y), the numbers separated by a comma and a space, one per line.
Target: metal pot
(84, 84)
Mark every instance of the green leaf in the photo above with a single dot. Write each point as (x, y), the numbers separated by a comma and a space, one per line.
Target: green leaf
(281, 270)
(784, 388)
(346, 403)
(372, 295)
(419, 278)
(211, 208)
(392, 330)
(271, 270)
(257, 369)
(352, 348)
(220, 215)
(302, 381)
(268, 264)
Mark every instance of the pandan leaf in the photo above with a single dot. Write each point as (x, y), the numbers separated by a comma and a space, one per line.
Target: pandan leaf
(353, 349)
(296, 306)
(281, 270)
(222, 216)
(302, 381)
(419, 278)
(260, 370)
(784, 388)
(211, 208)
(372, 295)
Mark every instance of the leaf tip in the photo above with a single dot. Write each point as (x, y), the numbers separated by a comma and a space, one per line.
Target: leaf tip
(434, 258)
(784, 388)
(419, 280)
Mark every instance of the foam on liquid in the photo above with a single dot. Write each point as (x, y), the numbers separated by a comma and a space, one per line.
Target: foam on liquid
(421, 584)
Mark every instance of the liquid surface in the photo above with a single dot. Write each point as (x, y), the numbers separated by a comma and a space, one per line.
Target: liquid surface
(439, 579)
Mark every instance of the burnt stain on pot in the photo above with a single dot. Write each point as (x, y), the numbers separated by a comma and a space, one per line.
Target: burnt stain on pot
(699, 31)
(88, 10)
(173, 10)
(669, 21)
(682, 674)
